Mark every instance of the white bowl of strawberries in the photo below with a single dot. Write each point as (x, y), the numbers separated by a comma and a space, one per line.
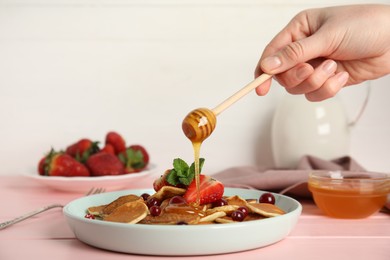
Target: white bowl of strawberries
(83, 165)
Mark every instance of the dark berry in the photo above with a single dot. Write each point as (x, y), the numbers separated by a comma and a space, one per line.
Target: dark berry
(244, 211)
(152, 201)
(237, 215)
(267, 198)
(145, 196)
(155, 211)
(220, 203)
(182, 223)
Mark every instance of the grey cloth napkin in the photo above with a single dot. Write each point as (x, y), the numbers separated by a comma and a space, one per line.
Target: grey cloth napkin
(287, 181)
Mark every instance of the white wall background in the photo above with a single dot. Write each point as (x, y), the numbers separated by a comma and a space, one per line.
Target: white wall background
(72, 69)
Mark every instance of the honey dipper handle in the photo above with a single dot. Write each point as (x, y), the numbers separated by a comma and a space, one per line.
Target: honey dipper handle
(239, 94)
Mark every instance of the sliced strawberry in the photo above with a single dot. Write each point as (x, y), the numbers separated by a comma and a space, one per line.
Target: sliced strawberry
(82, 149)
(117, 141)
(211, 190)
(61, 164)
(104, 164)
(135, 158)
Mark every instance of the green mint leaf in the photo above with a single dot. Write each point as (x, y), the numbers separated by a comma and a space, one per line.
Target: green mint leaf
(182, 173)
(180, 165)
(201, 162)
(172, 178)
(187, 180)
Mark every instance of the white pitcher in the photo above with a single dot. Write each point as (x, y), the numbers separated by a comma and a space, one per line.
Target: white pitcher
(301, 127)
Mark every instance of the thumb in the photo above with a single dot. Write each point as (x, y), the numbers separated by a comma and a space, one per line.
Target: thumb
(294, 53)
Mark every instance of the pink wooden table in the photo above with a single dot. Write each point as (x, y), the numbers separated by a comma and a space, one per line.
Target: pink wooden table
(47, 236)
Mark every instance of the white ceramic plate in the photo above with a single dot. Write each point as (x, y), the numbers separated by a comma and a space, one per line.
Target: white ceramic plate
(181, 239)
(83, 184)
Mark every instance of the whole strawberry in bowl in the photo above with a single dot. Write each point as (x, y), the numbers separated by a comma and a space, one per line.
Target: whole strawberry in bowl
(82, 149)
(135, 158)
(86, 163)
(102, 164)
(61, 164)
(116, 141)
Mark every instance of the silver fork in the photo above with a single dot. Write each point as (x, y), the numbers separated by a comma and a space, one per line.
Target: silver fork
(43, 209)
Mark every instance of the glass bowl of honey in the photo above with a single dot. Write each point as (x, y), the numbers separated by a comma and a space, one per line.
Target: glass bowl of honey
(348, 194)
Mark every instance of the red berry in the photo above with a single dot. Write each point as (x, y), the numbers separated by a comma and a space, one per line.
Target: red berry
(244, 210)
(267, 198)
(145, 196)
(152, 201)
(89, 216)
(237, 215)
(155, 210)
(220, 203)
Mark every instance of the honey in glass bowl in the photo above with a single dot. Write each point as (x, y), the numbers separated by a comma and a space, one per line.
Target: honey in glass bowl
(347, 194)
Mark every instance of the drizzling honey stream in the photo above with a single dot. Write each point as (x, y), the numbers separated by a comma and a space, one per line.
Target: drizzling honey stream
(201, 122)
(197, 126)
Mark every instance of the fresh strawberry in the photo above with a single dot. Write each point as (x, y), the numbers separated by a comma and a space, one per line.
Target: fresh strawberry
(108, 148)
(161, 181)
(145, 155)
(61, 164)
(41, 166)
(117, 141)
(211, 190)
(82, 149)
(104, 164)
(135, 158)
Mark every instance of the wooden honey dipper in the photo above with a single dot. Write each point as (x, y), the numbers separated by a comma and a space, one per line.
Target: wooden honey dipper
(201, 122)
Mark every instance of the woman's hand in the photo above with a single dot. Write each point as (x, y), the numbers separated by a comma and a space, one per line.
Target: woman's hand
(322, 50)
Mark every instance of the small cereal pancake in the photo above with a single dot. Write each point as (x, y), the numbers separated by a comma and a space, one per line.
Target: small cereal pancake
(251, 200)
(97, 210)
(224, 220)
(212, 217)
(227, 209)
(130, 212)
(171, 219)
(168, 192)
(164, 203)
(254, 216)
(265, 209)
(120, 201)
(236, 200)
